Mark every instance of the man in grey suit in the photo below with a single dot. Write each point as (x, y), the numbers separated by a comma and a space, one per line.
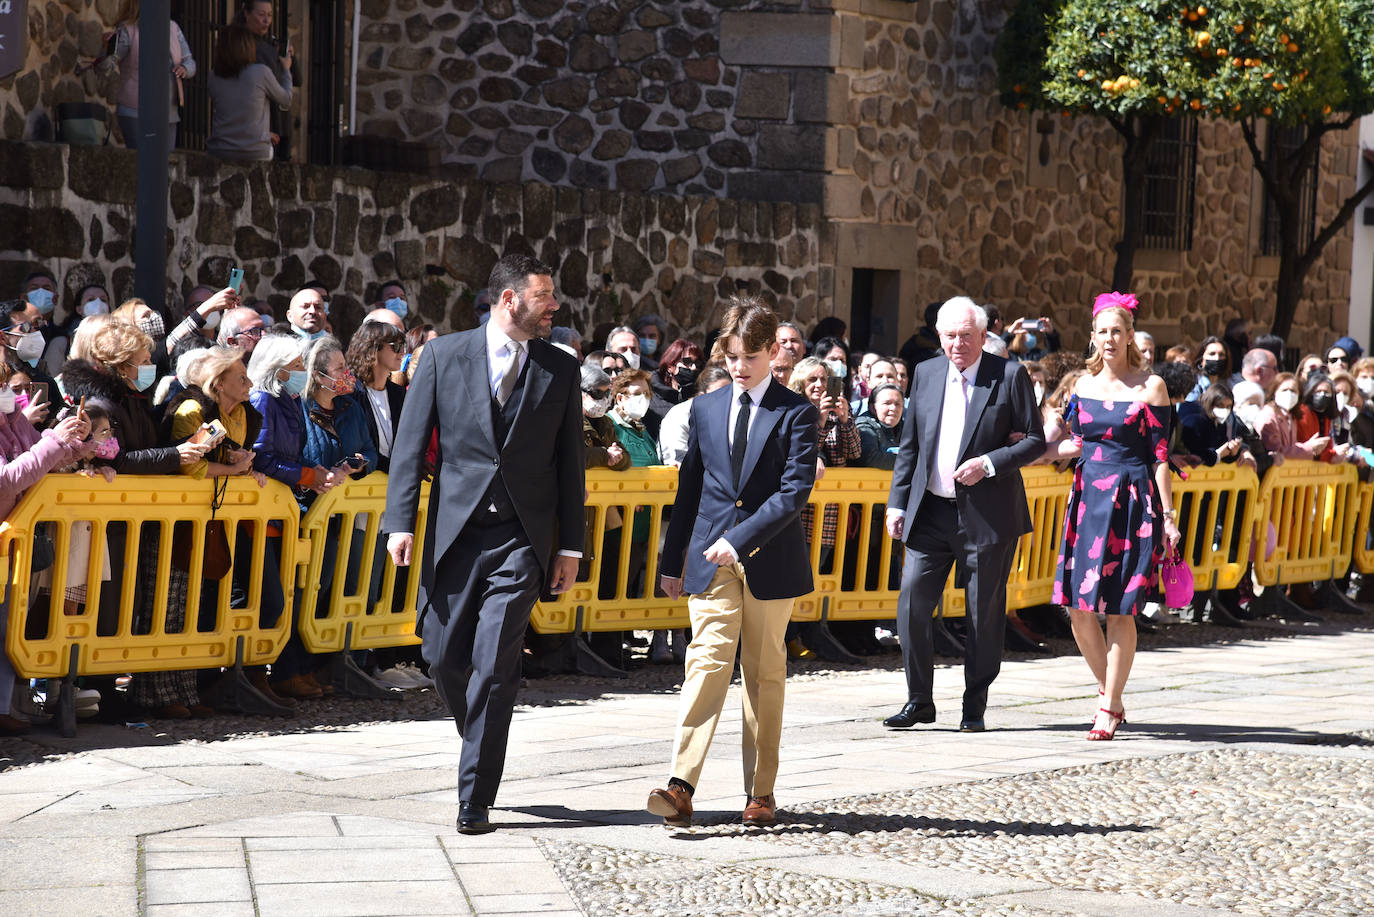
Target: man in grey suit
(507, 493)
(957, 498)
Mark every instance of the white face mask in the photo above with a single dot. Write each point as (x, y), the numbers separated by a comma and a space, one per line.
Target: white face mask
(631, 359)
(635, 407)
(1248, 412)
(838, 368)
(30, 347)
(1342, 399)
(95, 307)
(6, 400)
(1221, 414)
(1366, 386)
(1286, 399)
(595, 407)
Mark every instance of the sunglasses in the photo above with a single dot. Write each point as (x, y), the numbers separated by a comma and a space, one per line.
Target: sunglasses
(20, 328)
(397, 348)
(1345, 360)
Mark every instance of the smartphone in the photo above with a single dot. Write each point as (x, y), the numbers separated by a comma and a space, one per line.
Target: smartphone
(38, 393)
(210, 434)
(356, 462)
(834, 385)
(1035, 325)
(236, 279)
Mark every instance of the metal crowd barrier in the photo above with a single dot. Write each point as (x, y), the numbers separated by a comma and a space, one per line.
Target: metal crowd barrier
(1313, 506)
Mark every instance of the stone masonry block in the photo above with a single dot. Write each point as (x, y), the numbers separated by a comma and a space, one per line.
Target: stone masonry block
(764, 95)
(781, 39)
(786, 146)
(820, 96)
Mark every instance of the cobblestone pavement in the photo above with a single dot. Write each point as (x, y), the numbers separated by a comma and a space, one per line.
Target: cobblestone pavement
(1241, 785)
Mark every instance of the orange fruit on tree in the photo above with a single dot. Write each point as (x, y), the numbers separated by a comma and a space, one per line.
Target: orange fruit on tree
(1202, 11)
(1292, 47)
(1192, 15)
(1267, 111)
(1195, 105)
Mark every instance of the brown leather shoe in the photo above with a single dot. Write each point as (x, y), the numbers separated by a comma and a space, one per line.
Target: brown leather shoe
(759, 810)
(258, 679)
(674, 804)
(297, 686)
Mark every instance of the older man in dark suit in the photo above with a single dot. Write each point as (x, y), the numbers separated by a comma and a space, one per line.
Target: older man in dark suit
(957, 498)
(507, 406)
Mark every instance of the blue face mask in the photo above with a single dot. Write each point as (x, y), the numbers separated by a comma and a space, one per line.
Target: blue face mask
(398, 305)
(1031, 341)
(295, 383)
(647, 346)
(307, 335)
(42, 299)
(147, 375)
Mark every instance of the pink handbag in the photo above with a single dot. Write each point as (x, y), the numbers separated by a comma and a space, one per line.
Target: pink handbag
(1176, 577)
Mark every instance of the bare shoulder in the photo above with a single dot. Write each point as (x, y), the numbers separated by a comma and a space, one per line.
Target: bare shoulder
(1155, 393)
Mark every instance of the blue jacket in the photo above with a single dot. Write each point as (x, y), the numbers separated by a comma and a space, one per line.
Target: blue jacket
(281, 440)
(350, 434)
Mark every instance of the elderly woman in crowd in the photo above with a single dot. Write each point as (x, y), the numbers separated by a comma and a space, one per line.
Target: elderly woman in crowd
(119, 371)
(25, 456)
(277, 372)
(880, 429)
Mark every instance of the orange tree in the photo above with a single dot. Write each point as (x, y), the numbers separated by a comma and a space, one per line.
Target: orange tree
(1307, 65)
(1126, 61)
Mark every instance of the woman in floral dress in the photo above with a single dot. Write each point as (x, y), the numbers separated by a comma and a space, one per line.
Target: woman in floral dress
(1121, 507)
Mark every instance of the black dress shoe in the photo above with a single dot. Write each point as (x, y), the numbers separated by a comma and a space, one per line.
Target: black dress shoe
(911, 714)
(472, 819)
(971, 724)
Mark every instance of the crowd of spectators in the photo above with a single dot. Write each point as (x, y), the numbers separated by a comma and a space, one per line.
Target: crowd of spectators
(230, 391)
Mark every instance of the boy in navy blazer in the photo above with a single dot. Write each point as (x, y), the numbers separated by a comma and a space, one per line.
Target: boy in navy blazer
(735, 546)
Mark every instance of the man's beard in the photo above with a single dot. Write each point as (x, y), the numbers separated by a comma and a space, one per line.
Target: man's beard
(529, 321)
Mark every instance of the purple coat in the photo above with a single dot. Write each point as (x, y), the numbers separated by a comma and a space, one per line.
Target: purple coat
(28, 455)
(281, 440)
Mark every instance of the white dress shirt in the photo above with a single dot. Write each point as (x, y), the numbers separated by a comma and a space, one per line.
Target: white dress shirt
(498, 354)
(755, 398)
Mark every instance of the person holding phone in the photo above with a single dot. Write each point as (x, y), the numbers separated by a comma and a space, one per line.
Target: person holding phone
(1031, 339)
(840, 443)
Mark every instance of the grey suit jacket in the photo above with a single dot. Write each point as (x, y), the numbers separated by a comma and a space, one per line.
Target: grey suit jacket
(1002, 403)
(540, 463)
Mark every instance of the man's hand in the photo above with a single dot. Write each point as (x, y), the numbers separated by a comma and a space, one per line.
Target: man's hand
(720, 553)
(563, 574)
(224, 299)
(399, 546)
(671, 586)
(895, 521)
(971, 472)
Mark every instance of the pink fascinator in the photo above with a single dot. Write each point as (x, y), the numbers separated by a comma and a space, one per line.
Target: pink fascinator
(1123, 300)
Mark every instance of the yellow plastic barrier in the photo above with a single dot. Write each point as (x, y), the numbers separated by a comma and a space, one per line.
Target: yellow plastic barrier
(863, 581)
(358, 617)
(1363, 552)
(1217, 508)
(1313, 507)
(1037, 553)
(58, 644)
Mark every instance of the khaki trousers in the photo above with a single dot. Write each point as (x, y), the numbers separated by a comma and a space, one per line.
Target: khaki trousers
(724, 615)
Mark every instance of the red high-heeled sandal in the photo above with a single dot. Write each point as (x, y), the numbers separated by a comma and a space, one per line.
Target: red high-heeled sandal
(1101, 693)
(1115, 719)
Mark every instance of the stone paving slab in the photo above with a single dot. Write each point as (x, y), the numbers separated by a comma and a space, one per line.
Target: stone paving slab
(1262, 742)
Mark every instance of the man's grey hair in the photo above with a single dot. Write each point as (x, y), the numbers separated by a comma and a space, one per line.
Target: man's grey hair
(232, 324)
(994, 344)
(1143, 336)
(272, 354)
(1256, 358)
(562, 334)
(619, 329)
(955, 309)
(793, 326)
(651, 319)
(594, 377)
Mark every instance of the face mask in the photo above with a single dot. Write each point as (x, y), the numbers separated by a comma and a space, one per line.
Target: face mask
(1221, 414)
(647, 346)
(1286, 399)
(631, 359)
(1039, 393)
(95, 307)
(340, 386)
(147, 375)
(635, 407)
(212, 321)
(7, 400)
(838, 368)
(1321, 401)
(1366, 386)
(1248, 412)
(152, 326)
(1031, 341)
(1213, 367)
(1342, 399)
(595, 407)
(295, 383)
(685, 377)
(30, 348)
(301, 332)
(107, 449)
(398, 305)
(42, 299)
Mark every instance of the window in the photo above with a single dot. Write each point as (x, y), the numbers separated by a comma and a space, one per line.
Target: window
(200, 20)
(1282, 143)
(1166, 212)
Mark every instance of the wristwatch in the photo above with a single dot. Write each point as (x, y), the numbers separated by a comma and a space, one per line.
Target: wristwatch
(1171, 513)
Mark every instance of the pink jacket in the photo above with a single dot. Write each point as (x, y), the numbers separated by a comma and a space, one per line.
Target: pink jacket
(1278, 431)
(27, 456)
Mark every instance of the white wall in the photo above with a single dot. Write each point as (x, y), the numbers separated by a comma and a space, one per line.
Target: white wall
(1362, 253)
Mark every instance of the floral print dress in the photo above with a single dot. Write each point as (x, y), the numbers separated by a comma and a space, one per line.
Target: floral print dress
(1113, 524)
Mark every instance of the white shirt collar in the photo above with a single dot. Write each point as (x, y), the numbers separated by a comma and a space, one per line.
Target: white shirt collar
(497, 340)
(755, 393)
(970, 374)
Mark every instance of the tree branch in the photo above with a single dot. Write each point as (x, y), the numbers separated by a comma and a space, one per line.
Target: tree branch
(1337, 223)
(1247, 129)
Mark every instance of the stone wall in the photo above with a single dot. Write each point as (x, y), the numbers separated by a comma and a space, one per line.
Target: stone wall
(932, 176)
(618, 255)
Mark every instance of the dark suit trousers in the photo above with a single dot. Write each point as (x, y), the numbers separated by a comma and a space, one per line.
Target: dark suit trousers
(485, 587)
(936, 543)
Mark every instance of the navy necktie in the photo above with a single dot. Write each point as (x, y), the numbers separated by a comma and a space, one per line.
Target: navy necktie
(741, 442)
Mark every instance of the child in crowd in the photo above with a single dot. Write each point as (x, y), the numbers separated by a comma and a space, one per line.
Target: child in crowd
(79, 547)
